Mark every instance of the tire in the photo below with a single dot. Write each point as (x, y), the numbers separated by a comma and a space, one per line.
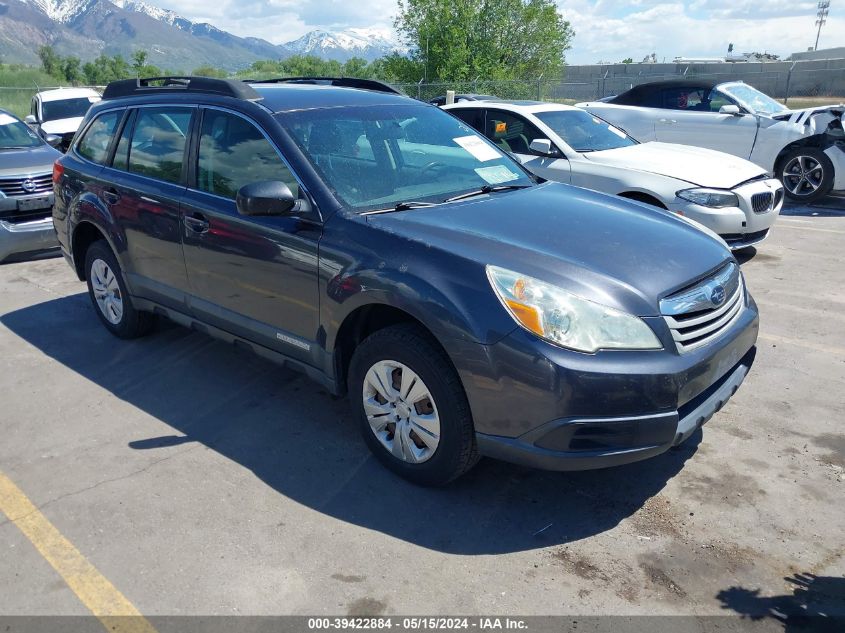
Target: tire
(806, 174)
(406, 444)
(109, 296)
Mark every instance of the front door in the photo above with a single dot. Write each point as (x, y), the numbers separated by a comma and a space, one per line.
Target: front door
(255, 277)
(691, 117)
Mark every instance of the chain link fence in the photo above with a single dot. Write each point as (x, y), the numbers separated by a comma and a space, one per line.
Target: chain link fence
(799, 84)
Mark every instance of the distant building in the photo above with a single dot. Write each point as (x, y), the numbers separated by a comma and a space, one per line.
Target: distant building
(825, 53)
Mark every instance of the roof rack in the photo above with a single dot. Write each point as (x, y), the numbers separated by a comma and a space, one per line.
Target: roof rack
(343, 82)
(159, 85)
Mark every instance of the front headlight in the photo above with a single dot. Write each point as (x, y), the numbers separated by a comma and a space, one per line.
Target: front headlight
(714, 198)
(566, 319)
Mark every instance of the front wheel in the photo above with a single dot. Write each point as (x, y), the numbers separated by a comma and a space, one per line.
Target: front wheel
(806, 174)
(412, 409)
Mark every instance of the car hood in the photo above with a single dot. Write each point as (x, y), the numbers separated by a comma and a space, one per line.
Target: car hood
(695, 165)
(61, 126)
(27, 162)
(616, 252)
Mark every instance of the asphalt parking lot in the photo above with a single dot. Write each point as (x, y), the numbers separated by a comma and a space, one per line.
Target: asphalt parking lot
(198, 479)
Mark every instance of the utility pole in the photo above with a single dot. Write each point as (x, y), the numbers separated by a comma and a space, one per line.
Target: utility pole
(824, 9)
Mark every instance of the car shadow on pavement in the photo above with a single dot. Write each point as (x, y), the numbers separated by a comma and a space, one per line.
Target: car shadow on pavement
(817, 604)
(828, 207)
(304, 444)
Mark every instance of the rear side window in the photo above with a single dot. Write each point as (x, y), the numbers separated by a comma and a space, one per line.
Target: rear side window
(472, 117)
(94, 145)
(234, 153)
(158, 142)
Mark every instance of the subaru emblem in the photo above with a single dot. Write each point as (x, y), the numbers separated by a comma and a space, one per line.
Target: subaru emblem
(28, 185)
(718, 295)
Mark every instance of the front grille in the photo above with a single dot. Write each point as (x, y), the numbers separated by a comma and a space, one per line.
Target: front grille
(778, 198)
(27, 186)
(762, 202)
(16, 216)
(695, 316)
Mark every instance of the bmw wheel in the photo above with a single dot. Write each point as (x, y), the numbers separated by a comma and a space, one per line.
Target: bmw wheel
(806, 174)
(412, 409)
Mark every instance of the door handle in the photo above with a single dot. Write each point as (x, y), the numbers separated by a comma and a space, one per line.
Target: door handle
(668, 121)
(111, 195)
(197, 223)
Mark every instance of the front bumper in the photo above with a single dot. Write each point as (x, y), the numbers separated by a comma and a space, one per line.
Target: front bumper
(545, 407)
(26, 237)
(739, 226)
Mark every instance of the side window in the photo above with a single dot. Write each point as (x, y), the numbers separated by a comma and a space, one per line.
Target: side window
(234, 153)
(472, 117)
(690, 99)
(717, 100)
(33, 108)
(511, 132)
(94, 145)
(121, 154)
(158, 142)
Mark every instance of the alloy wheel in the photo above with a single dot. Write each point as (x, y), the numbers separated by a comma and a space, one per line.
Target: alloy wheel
(803, 175)
(401, 411)
(106, 291)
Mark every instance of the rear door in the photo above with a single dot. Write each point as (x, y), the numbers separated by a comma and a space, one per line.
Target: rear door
(253, 276)
(144, 190)
(513, 133)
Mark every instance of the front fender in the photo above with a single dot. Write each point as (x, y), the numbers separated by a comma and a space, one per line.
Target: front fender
(449, 294)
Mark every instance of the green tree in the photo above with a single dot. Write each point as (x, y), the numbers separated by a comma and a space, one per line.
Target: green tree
(210, 71)
(139, 60)
(51, 62)
(458, 40)
(628, 60)
(71, 69)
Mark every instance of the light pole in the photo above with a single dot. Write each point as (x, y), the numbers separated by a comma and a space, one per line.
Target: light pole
(824, 9)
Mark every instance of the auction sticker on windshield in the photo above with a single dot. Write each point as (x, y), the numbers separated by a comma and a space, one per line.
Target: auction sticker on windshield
(478, 148)
(497, 174)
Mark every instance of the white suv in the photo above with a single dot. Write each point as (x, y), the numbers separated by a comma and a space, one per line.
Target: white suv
(59, 112)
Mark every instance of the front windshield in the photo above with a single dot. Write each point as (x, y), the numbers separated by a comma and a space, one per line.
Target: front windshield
(66, 108)
(584, 132)
(378, 157)
(752, 99)
(15, 133)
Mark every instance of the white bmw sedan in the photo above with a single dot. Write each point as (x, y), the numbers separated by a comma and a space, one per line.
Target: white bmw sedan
(731, 196)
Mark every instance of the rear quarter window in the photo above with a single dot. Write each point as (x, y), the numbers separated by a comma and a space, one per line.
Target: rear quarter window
(94, 144)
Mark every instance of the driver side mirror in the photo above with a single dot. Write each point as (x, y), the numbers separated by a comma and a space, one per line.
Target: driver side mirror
(265, 198)
(730, 109)
(544, 147)
(53, 140)
(30, 119)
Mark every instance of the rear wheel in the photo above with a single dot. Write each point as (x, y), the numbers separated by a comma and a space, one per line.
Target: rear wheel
(412, 409)
(806, 174)
(109, 296)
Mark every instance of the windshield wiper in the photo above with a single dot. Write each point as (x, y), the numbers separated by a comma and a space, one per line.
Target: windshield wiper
(485, 189)
(16, 146)
(403, 206)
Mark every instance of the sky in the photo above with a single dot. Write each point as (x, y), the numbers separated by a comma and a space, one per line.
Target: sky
(605, 30)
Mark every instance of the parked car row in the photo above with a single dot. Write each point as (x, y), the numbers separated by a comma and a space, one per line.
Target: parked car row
(393, 253)
(732, 197)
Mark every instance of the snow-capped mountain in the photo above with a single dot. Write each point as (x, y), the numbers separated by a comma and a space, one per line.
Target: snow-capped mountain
(369, 43)
(62, 11)
(87, 28)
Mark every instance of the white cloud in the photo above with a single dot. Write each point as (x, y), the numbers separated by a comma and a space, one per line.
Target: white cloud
(677, 29)
(607, 30)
